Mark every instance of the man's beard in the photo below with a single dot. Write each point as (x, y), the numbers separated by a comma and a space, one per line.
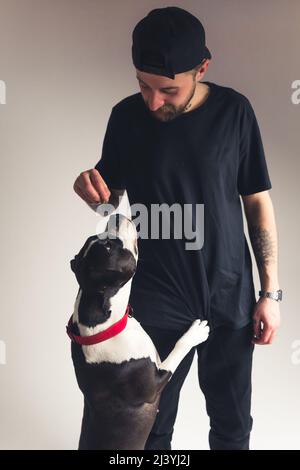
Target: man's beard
(169, 112)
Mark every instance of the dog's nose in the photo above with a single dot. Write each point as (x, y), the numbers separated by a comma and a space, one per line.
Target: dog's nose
(123, 228)
(121, 218)
(123, 225)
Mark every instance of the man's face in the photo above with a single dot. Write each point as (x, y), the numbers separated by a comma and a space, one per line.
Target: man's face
(164, 97)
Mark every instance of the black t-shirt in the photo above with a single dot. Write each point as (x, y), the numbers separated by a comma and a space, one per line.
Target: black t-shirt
(208, 156)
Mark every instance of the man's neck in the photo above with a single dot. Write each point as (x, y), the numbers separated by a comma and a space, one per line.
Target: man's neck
(201, 94)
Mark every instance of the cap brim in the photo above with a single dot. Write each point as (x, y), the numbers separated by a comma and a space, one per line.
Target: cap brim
(207, 54)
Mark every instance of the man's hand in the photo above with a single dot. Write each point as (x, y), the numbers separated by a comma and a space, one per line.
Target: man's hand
(91, 187)
(266, 320)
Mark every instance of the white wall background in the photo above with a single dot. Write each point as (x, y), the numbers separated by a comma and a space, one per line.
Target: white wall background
(65, 63)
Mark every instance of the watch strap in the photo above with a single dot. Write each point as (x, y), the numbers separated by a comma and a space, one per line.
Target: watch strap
(275, 295)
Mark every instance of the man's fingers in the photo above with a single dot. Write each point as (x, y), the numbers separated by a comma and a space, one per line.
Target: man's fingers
(86, 186)
(271, 339)
(91, 187)
(257, 327)
(265, 336)
(82, 194)
(267, 331)
(99, 184)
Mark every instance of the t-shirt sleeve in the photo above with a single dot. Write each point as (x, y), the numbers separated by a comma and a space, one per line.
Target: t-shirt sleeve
(253, 175)
(110, 165)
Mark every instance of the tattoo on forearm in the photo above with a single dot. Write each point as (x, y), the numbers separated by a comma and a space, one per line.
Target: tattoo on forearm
(263, 245)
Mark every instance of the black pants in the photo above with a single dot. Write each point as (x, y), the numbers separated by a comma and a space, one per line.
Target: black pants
(224, 373)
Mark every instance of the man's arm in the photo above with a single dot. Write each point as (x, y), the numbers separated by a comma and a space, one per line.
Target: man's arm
(262, 230)
(260, 217)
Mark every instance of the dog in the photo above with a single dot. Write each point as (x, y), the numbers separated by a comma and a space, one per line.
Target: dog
(116, 364)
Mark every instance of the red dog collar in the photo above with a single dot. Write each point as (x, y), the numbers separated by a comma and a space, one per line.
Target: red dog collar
(113, 330)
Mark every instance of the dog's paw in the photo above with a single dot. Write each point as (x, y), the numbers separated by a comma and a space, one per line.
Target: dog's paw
(196, 334)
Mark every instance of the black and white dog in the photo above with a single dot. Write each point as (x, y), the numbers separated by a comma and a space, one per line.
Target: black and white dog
(117, 366)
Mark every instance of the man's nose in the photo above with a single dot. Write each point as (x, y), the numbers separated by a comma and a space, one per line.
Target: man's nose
(155, 102)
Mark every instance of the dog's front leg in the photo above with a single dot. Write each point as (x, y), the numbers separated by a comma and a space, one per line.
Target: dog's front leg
(195, 335)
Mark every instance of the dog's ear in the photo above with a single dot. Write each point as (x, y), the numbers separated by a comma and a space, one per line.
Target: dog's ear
(76, 266)
(76, 262)
(73, 264)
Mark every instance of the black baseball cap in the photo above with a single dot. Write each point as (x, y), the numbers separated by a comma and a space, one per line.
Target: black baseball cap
(168, 41)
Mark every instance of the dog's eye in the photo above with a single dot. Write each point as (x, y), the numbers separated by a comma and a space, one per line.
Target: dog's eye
(101, 291)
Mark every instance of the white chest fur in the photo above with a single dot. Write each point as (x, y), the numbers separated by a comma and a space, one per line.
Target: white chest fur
(132, 343)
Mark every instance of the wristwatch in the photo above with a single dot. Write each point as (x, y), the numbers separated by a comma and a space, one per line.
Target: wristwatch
(275, 295)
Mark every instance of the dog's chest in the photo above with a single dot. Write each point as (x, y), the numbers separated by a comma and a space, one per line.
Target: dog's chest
(131, 343)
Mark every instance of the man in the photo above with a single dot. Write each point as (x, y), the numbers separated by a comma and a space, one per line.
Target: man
(187, 142)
